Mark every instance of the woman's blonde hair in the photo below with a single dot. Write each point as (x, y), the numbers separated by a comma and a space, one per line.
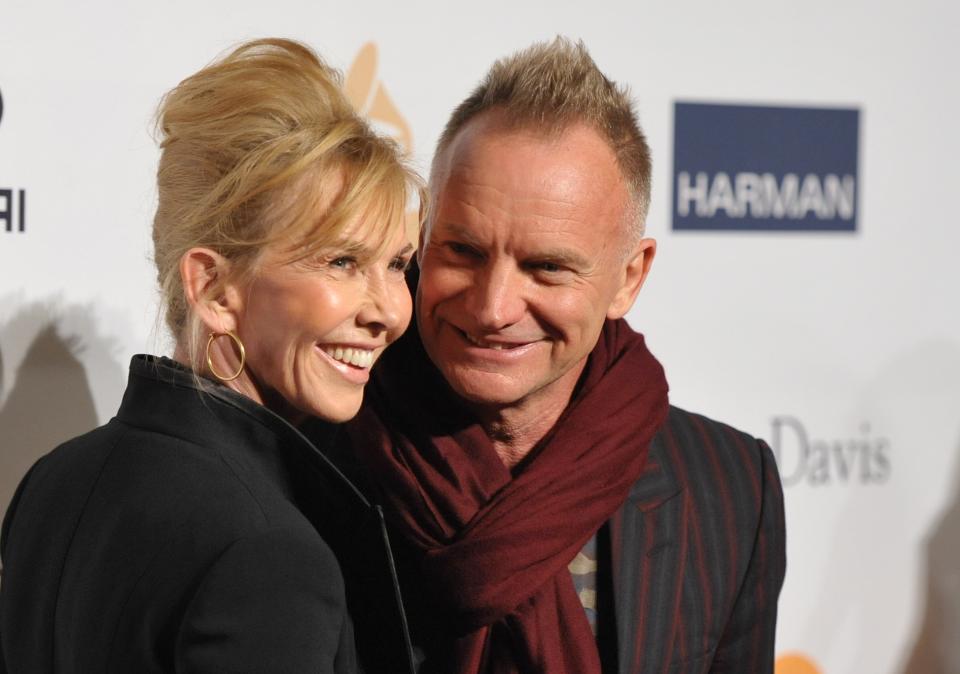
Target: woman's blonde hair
(248, 145)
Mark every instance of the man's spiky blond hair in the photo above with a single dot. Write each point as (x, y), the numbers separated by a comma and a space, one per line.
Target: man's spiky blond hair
(548, 87)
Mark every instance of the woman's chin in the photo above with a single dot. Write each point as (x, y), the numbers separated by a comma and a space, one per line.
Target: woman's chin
(338, 411)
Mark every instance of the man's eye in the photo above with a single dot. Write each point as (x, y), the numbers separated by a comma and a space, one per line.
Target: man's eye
(461, 249)
(549, 267)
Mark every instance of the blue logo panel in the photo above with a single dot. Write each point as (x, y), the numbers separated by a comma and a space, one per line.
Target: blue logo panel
(761, 168)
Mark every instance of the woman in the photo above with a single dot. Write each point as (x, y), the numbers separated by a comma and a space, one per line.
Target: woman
(182, 536)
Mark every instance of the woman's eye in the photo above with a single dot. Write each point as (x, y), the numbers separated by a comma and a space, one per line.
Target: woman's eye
(343, 263)
(400, 264)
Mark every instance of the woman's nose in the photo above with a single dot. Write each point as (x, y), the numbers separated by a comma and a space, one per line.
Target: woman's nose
(387, 305)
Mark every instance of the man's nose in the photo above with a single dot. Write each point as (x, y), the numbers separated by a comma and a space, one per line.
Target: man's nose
(495, 300)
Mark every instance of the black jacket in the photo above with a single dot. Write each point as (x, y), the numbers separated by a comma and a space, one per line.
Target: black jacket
(194, 533)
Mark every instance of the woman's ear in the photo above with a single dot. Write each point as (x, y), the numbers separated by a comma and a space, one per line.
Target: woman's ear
(210, 295)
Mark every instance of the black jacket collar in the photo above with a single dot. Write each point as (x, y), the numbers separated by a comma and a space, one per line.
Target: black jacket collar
(166, 397)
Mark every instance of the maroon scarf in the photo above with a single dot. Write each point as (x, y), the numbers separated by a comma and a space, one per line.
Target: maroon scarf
(495, 546)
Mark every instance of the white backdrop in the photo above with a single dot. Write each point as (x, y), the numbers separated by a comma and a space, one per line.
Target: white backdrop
(849, 340)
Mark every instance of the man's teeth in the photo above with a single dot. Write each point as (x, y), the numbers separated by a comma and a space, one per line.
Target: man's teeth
(356, 357)
(496, 346)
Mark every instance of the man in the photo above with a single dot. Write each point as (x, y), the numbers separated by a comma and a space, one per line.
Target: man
(554, 513)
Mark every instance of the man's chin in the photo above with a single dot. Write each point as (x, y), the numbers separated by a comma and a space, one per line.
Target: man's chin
(485, 389)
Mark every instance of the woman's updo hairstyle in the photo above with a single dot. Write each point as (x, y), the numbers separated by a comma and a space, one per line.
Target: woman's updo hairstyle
(248, 146)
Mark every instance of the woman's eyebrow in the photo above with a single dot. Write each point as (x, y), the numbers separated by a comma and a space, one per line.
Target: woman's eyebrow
(348, 246)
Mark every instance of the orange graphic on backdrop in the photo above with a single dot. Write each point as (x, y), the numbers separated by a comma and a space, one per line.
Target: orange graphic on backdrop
(795, 663)
(370, 98)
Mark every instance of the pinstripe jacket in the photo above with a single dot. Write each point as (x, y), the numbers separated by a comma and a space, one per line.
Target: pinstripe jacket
(690, 567)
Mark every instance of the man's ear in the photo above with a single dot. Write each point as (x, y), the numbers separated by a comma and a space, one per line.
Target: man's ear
(209, 293)
(634, 274)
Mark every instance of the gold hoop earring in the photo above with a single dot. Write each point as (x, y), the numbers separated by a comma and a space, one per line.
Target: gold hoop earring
(243, 355)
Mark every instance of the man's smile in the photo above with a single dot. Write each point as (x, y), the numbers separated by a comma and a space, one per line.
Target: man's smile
(497, 344)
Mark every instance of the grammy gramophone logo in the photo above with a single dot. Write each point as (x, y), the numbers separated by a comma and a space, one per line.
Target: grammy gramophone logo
(369, 96)
(13, 202)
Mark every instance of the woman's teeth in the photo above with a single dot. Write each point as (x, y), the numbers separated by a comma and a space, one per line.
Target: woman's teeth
(356, 357)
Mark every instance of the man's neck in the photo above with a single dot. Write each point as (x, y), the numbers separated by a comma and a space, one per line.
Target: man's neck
(514, 430)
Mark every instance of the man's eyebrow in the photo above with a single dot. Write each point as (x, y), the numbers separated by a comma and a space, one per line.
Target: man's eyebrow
(458, 231)
(563, 256)
(566, 257)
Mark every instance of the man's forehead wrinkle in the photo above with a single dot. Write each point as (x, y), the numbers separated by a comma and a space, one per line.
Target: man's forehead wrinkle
(506, 201)
(471, 207)
(540, 224)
